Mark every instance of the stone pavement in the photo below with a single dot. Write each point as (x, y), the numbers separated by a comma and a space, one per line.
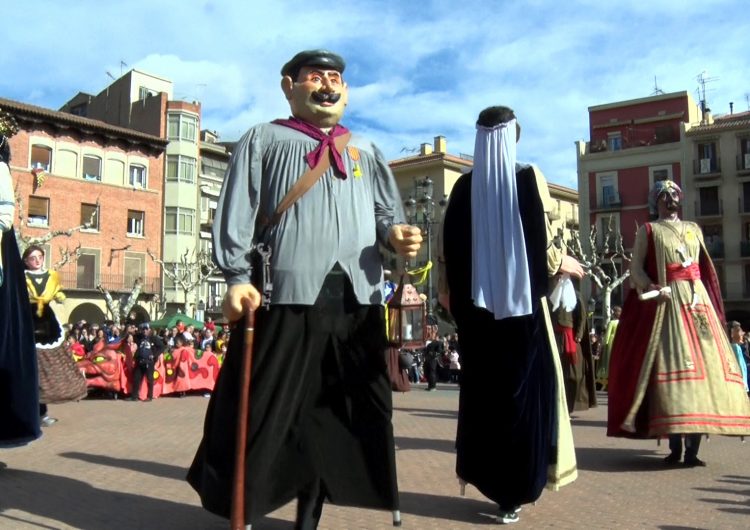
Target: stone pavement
(116, 464)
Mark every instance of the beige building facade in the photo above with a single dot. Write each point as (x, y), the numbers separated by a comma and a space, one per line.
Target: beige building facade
(716, 155)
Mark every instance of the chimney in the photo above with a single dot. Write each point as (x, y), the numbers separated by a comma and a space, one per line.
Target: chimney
(731, 107)
(425, 149)
(440, 144)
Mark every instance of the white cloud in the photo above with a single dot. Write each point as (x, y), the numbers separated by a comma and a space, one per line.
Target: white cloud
(416, 70)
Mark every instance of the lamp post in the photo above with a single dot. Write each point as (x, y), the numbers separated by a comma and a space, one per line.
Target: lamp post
(422, 212)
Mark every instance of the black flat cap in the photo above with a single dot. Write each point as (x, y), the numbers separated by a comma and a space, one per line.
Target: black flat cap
(323, 58)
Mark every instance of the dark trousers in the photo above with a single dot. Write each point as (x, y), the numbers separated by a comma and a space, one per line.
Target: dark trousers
(430, 372)
(692, 444)
(320, 412)
(139, 371)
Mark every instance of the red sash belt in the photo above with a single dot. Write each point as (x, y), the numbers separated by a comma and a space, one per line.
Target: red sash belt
(569, 342)
(675, 271)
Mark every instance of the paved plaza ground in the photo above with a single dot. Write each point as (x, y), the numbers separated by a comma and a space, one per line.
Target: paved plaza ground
(121, 465)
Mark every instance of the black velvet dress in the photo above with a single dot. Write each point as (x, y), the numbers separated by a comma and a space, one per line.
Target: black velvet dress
(19, 380)
(507, 414)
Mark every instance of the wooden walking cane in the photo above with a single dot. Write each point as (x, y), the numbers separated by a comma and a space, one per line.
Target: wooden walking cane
(237, 515)
(237, 520)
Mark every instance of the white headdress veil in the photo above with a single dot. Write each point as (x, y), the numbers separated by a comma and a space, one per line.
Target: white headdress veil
(500, 272)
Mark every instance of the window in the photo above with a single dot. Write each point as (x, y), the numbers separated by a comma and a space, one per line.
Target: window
(38, 211)
(135, 223)
(179, 221)
(92, 167)
(66, 163)
(137, 176)
(708, 161)
(745, 202)
(86, 270)
(213, 167)
(134, 268)
(144, 92)
(608, 192)
(607, 225)
(708, 201)
(656, 173)
(208, 210)
(41, 157)
(169, 283)
(744, 162)
(90, 216)
(666, 133)
(114, 169)
(614, 141)
(714, 239)
(182, 127)
(180, 169)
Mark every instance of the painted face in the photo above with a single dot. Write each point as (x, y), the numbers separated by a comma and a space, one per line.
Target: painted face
(317, 96)
(671, 199)
(34, 261)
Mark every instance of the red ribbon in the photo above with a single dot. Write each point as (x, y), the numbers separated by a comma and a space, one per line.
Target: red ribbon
(326, 141)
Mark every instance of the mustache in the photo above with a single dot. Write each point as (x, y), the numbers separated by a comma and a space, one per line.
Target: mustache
(326, 97)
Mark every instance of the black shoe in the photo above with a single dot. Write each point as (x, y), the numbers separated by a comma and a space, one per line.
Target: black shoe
(149, 399)
(131, 398)
(672, 460)
(694, 462)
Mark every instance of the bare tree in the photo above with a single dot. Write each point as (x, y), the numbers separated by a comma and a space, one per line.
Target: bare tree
(606, 263)
(190, 272)
(120, 307)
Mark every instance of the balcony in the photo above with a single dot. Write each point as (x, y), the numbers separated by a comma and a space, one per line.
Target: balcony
(610, 202)
(707, 167)
(111, 282)
(745, 249)
(715, 249)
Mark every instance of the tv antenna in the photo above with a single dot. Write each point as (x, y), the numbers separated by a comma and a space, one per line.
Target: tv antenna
(702, 81)
(657, 91)
(110, 76)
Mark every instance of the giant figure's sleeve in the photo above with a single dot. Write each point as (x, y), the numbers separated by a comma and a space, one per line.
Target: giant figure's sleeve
(387, 199)
(554, 254)
(638, 275)
(234, 227)
(7, 199)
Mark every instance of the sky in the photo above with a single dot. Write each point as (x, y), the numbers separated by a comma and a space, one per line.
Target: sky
(415, 69)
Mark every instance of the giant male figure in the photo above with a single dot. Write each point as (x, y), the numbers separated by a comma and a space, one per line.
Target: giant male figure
(320, 408)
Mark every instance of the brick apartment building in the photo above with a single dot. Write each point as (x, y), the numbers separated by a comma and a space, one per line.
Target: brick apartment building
(143, 102)
(632, 144)
(92, 172)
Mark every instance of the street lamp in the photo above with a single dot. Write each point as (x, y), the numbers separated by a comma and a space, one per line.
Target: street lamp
(422, 212)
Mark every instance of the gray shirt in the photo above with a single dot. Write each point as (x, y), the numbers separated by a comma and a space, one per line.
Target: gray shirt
(336, 221)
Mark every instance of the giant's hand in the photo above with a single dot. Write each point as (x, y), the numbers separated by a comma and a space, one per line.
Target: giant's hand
(406, 239)
(571, 266)
(232, 305)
